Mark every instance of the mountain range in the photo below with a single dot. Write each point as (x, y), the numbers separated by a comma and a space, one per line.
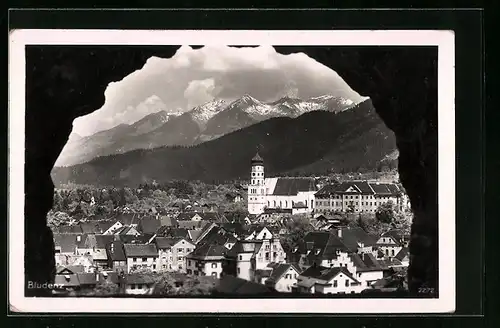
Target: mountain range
(202, 123)
(311, 143)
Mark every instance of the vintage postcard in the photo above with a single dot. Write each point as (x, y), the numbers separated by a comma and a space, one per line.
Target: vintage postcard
(231, 171)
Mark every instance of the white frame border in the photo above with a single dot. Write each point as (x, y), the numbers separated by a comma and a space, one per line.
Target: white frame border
(443, 39)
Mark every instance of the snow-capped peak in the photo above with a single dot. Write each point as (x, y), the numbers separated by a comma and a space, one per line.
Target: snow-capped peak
(203, 113)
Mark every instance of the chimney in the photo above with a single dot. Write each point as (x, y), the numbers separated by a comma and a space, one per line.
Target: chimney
(78, 238)
(339, 232)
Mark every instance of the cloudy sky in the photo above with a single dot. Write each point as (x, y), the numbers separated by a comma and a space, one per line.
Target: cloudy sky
(193, 77)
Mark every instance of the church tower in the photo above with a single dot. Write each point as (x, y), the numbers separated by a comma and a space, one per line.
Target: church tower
(256, 189)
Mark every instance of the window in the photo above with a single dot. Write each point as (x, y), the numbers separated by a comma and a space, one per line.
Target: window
(387, 252)
(144, 259)
(180, 250)
(347, 282)
(196, 273)
(134, 259)
(132, 286)
(241, 258)
(214, 274)
(189, 271)
(154, 266)
(238, 270)
(189, 262)
(288, 276)
(139, 286)
(367, 284)
(267, 256)
(214, 265)
(335, 283)
(392, 252)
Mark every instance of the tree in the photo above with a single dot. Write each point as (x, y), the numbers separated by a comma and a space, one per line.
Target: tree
(55, 219)
(402, 221)
(297, 227)
(385, 212)
(106, 288)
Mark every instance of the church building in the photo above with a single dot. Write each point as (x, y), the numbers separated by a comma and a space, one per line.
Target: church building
(284, 194)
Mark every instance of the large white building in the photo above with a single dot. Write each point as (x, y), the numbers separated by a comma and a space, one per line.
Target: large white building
(294, 195)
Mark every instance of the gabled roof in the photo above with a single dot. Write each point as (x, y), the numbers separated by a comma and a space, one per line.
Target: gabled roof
(278, 270)
(388, 263)
(127, 218)
(404, 252)
(67, 280)
(116, 251)
(149, 224)
(245, 246)
(353, 236)
(326, 274)
(187, 216)
(141, 250)
(105, 225)
(365, 262)
(385, 189)
(172, 232)
(166, 242)
(168, 221)
(131, 239)
(292, 186)
(209, 250)
(98, 241)
(397, 234)
(67, 242)
(194, 234)
(70, 269)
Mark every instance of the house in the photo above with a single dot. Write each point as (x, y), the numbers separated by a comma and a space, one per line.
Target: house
(95, 245)
(149, 224)
(390, 243)
(86, 261)
(172, 253)
(66, 278)
(116, 256)
(246, 257)
(367, 270)
(67, 245)
(323, 280)
(282, 277)
(189, 216)
(141, 256)
(356, 196)
(138, 284)
(206, 260)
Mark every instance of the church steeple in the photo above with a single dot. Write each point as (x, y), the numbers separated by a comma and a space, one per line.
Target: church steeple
(257, 160)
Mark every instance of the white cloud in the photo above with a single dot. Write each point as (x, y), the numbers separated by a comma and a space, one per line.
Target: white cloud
(199, 92)
(194, 76)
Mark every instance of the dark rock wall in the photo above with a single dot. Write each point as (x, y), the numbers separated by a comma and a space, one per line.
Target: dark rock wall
(63, 83)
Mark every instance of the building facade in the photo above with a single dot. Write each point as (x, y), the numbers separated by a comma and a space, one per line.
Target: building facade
(359, 197)
(283, 193)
